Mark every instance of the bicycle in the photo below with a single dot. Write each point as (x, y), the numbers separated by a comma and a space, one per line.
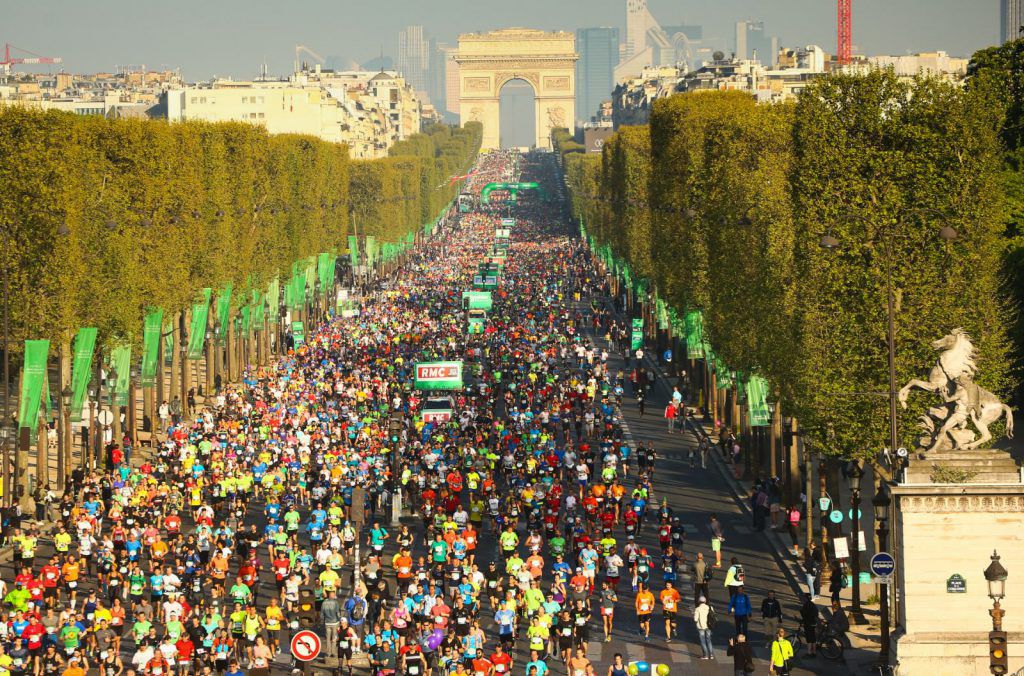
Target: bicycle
(828, 644)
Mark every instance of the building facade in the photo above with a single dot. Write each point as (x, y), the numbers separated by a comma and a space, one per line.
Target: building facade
(595, 71)
(1011, 18)
(367, 111)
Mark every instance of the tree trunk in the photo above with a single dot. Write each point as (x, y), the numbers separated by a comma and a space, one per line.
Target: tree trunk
(67, 439)
(174, 389)
(230, 338)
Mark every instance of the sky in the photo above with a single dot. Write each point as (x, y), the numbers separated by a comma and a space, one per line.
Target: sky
(206, 38)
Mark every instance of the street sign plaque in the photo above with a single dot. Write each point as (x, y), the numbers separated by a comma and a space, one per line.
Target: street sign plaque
(883, 564)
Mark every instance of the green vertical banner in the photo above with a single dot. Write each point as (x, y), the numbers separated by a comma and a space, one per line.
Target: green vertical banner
(410, 238)
(246, 313)
(197, 331)
(694, 320)
(152, 327)
(353, 251)
(296, 292)
(224, 309)
(298, 334)
(371, 250)
(81, 369)
(311, 273)
(757, 401)
(274, 299)
(637, 337)
(723, 376)
(325, 272)
(258, 311)
(121, 363)
(662, 310)
(32, 380)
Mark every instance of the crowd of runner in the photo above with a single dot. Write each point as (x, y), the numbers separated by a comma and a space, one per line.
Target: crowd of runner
(525, 516)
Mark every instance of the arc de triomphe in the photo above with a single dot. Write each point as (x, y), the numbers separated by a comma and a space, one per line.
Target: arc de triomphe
(487, 61)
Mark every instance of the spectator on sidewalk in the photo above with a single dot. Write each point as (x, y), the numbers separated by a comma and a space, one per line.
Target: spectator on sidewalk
(703, 617)
(810, 569)
(716, 539)
(701, 575)
(809, 617)
(742, 656)
(739, 608)
(839, 624)
(782, 654)
(793, 524)
(771, 616)
(670, 415)
(837, 581)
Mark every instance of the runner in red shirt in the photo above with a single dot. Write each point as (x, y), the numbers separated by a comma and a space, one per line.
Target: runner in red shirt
(502, 661)
(50, 577)
(173, 525)
(33, 635)
(482, 666)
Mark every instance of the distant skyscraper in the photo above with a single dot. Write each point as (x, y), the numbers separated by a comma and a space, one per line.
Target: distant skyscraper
(442, 71)
(599, 53)
(751, 40)
(1011, 18)
(648, 44)
(414, 58)
(451, 78)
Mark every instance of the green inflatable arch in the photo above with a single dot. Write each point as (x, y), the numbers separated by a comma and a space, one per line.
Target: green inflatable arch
(512, 188)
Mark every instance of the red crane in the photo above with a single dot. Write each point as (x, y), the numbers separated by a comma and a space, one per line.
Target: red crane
(6, 64)
(844, 11)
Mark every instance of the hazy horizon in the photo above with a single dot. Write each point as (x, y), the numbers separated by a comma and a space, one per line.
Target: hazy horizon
(231, 38)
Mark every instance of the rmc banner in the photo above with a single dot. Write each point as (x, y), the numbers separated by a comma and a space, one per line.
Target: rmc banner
(439, 375)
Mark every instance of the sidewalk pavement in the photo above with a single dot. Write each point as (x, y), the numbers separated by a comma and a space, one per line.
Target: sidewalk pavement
(864, 638)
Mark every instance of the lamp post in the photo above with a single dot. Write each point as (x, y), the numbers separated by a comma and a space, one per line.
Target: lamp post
(93, 406)
(881, 503)
(855, 474)
(829, 242)
(6, 435)
(64, 450)
(996, 575)
(772, 457)
(8, 438)
(184, 377)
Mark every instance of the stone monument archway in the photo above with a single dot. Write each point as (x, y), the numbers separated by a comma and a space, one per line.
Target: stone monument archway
(546, 60)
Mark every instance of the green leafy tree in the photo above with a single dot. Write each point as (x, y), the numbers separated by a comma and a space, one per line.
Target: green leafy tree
(881, 164)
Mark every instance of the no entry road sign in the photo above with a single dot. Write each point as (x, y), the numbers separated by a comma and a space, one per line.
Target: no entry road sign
(305, 645)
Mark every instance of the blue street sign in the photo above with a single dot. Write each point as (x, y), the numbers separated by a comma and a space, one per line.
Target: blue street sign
(668, 355)
(836, 516)
(860, 514)
(882, 564)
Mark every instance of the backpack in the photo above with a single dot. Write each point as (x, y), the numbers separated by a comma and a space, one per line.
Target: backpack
(358, 611)
(712, 618)
(844, 581)
(709, 573)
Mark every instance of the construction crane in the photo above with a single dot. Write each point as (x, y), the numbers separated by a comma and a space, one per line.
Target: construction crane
(844, 29)
(6, 64)
(299, 49)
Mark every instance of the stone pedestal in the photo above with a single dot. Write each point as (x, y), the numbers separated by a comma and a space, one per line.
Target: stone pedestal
(950, 529)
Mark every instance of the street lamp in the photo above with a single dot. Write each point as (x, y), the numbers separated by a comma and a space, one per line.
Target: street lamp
(64, 457)
(996, 575)
(881, 503)
(854, 474)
